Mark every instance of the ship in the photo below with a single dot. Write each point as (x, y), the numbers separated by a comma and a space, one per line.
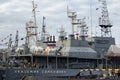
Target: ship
(75, 57)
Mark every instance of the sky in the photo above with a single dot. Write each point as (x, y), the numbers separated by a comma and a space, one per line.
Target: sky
(15, 13)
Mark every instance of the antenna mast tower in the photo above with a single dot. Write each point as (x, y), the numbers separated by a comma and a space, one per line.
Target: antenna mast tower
(16, 39)
(31, 29)
(72, 15)
(104, 21)
(62, 33)
(34, 15)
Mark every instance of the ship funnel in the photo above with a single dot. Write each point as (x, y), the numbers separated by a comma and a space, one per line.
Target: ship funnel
(47, 39)
(50, 38)
(53, 38)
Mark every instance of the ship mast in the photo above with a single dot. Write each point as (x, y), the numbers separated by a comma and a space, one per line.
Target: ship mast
(104, 21)
(72, 15)
(79, 22)
(43, 35)
(62, 33)
(31, 29)
(34, 16)
(16, 39)
(84, 29)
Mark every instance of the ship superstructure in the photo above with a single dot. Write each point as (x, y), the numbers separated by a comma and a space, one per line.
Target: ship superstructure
(101, 44)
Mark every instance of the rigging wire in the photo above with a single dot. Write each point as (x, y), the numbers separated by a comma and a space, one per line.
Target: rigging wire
(91, 24)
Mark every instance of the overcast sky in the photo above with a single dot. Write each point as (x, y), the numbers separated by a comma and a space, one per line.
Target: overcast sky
(15, 13)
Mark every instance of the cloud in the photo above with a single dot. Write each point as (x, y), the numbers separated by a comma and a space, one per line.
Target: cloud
(15, 13)
(14, 6)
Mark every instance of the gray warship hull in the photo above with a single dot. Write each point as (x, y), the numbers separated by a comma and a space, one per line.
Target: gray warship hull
(48, 74)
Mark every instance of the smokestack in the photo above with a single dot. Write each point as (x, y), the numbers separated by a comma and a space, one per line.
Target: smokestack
(53, 38)
(50, 38)
(47, 39)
